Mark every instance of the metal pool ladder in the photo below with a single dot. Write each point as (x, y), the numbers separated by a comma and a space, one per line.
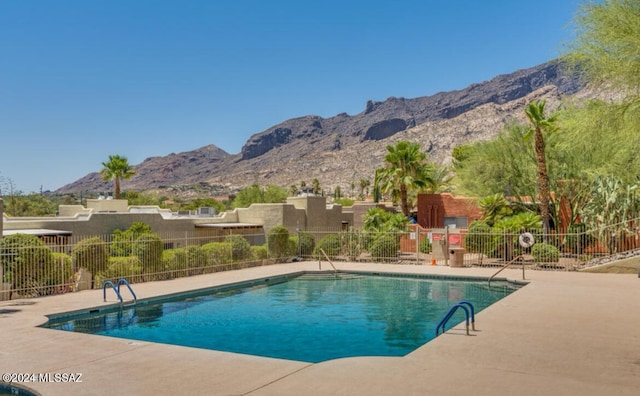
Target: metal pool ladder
(467, 307)
(116, 289)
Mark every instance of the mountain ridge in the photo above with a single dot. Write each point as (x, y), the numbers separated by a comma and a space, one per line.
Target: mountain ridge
(342, 149)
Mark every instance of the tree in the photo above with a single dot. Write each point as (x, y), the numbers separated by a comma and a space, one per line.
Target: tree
(540, 124)
(274, 194)
(315, 183)
(607, 41)
(116, 169)
(406, 168)
(364, 185)
(494, 208)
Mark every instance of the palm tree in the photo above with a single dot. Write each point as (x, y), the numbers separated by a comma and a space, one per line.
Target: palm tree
(117, 168)
(364, 183)
(494, 208)
(535, 113)
(406, 168)
(315, 184)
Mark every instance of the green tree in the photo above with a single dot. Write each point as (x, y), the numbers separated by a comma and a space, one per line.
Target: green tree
(274, 194)
(494, 208)
(406, 168)
(117, 169)
(255, 194)
(137, 198)
(122, 241)
(35, 205)
(380, 220)
(541, 124)
(315, 184)
(607, 41)
(364, 186)
(205, 202)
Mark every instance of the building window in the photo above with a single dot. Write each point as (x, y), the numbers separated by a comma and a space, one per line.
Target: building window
(456, 222)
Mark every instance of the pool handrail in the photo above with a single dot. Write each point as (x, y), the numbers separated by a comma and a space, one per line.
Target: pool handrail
(104, 290)
(518, 257)
(123, 281)
(460, 304)
(335, 271)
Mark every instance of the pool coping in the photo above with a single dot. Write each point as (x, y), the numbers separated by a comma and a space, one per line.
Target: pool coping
(568, 332)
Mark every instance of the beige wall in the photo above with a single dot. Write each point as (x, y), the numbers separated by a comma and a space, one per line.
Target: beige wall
(298, 213)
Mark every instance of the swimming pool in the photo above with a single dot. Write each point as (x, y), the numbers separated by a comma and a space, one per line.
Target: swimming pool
(308, 318)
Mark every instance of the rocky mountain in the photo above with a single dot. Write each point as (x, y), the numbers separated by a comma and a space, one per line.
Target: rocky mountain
(343, 149)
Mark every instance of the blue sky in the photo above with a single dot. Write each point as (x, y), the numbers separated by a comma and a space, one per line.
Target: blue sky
(80, 80)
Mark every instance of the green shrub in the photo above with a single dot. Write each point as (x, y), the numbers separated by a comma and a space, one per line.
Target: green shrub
(304, 244)
(240, 247)
(148, 248)
(481, 238)
(259, 252)
(120, 267)
(331, 246)
(545, 253)
(351, 244)
(59, 273)
(425, 246)
(278, 243)
(191, 260)
(31, 267)
(218, 253)
(122, 242)
(385, 247)
(91, 254)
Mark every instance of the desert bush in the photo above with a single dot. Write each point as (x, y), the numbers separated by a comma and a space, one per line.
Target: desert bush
(91, 254)
(120, 267)
(425, 246)
(259, 252)
(148, 248)
(218, 254)
(304, 244)
(123, 241)
(278, 243)
(545, 253)
(330, 244)
(28, 264)
(385, 247)
(240, 247)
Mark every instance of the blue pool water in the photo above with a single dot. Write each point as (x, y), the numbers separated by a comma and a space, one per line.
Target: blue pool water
(302, 319)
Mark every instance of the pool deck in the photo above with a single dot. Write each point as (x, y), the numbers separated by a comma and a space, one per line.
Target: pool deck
(565, 333)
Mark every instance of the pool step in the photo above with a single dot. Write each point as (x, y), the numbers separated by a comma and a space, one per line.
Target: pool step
(328, 275)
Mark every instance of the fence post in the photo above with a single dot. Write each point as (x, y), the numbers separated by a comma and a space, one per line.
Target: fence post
(417, 244)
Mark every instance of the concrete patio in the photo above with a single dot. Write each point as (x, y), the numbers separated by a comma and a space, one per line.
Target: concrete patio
(565, 333)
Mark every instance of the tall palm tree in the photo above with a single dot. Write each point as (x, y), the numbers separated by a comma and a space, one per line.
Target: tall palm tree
(406, 168)
(315, 184)
(540, 124)
(117, 168)
(364, 183)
